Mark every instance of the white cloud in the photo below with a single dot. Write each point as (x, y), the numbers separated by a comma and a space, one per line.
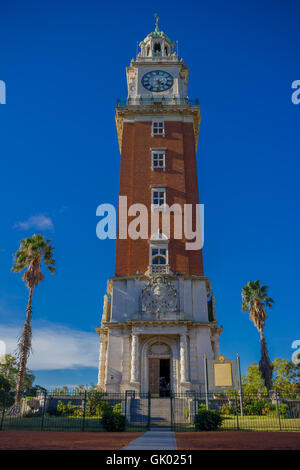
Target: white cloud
(39, 222)
(55, 346)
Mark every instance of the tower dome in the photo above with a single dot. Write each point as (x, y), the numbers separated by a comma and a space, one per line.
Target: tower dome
(157, 44)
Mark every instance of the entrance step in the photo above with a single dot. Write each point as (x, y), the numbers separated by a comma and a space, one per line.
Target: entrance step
(160, 412)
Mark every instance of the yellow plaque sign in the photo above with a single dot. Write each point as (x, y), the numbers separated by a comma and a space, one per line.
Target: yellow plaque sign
(223, 375)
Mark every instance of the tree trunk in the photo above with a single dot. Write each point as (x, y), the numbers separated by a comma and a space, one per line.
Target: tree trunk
(265, 365)
(24, 349)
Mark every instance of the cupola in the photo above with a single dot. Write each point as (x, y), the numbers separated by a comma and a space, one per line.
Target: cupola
(157, 44)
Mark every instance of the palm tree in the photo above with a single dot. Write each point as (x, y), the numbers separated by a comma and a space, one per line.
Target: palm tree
(255, 300)
(31, 253)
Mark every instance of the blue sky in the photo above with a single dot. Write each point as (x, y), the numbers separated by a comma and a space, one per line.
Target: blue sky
(64, 67)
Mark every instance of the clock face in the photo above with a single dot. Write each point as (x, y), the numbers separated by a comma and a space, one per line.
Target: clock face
(157, 80)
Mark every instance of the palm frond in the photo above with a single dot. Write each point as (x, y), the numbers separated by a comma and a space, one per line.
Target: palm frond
(32, 252)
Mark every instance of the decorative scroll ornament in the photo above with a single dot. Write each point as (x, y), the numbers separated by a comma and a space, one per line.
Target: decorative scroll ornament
(159, 296)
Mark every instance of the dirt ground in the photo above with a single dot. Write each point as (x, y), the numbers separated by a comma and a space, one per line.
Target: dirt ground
(36, 440)
(238, 440)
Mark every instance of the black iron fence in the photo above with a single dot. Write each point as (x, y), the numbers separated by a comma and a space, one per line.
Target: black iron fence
(76, 411)
(91, 410)
(249, 412)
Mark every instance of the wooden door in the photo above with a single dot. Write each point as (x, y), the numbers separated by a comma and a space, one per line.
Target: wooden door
(154, 370)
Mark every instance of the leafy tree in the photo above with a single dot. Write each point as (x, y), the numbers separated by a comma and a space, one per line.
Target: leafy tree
(255, 300)
(95, 404)
(8, 380)
(33, 251)
(285, 377)
(252, 382)
(6, 395)
(9, 372)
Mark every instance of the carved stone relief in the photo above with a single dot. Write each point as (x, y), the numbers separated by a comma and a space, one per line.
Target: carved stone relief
(159, 296)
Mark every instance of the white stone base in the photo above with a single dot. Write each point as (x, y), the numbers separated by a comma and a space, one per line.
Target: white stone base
(130, 336)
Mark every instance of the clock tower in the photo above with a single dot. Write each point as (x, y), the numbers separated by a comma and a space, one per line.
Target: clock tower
(159, 316)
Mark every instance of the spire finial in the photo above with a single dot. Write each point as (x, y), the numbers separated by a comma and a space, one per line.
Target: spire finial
(156, 23)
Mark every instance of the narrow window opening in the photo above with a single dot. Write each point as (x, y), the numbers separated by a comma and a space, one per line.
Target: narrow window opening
(158, 128)
(158, 159)
(157, 47)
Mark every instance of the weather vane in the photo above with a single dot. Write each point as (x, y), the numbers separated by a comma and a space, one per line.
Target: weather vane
(156, 23)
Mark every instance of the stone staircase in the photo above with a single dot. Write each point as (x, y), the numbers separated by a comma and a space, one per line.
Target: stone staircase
(160, 412)
(137, 412)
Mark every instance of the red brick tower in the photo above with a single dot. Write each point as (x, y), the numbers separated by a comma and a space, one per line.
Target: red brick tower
(158, 129)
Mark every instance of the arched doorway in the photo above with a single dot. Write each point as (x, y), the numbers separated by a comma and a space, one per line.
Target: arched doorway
(159, 367)
(159, 347)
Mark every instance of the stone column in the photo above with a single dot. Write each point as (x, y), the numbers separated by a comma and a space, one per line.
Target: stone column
(134, 357)
(183, 358)
(102, 361)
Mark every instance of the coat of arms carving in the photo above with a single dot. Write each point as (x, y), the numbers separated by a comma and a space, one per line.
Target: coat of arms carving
(159, 296)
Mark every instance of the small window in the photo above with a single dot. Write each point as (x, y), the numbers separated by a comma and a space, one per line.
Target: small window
(166, 51)
(158, 197)
(158, 159)
(158, 255)
(158, 128)
(158, 260)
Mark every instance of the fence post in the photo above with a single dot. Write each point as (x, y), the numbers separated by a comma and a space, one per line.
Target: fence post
(206, 382)
(196, 406)
(125, 407)
(3, 411)
(236, 412)
(84, 412)
(149, 410)
(277, 407)
(44, 409)
(240, 384)
(172, 408)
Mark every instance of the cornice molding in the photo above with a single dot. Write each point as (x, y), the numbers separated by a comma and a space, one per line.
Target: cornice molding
(129, 324)
(157, 109)
(143, 277)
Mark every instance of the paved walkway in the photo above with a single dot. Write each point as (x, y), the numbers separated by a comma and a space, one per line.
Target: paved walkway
(155, 439)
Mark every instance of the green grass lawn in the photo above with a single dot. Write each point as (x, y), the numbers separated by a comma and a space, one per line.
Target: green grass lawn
(251, 423)
(92, 423)
(60, 423)
(261, 423)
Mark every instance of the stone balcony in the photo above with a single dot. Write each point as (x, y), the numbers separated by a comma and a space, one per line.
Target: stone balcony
(159, 269)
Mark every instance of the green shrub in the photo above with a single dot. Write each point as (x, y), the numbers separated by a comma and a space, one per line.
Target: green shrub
(208, 420)
(95, 405)
(78, 412)
(67, 410)
(283, 410)
(201, 407)
(113, 421)
(117, 408)
(228, 410)
(259, 407)
(102, 408)
(61, 408)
